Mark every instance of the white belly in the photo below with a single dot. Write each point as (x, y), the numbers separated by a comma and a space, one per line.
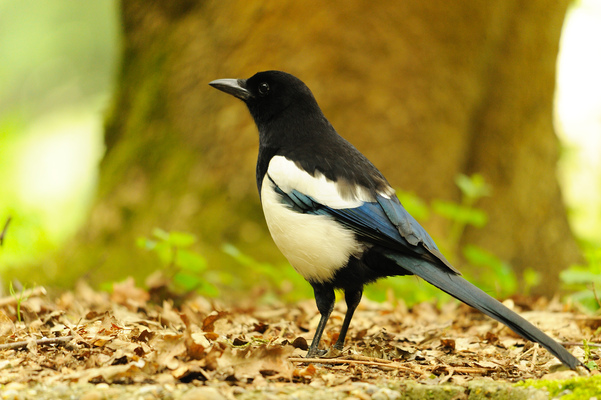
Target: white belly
(315, 245)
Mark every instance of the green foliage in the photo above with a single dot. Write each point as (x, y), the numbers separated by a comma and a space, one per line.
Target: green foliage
(460, 214)
(569, 389)
(585, 280)
(588, 356)
(280, 281)
(186, 269)
(486, 266)
(491, 269)
(472, 188)
(410, 289)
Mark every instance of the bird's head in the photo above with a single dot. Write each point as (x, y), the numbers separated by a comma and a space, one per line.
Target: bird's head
(268, 94)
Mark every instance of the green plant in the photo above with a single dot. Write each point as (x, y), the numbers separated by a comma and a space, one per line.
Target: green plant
(186, 269)
(588, 356)
(19, 297)
(491, 269)
(465, 213)
(461, 215)
(585, 280)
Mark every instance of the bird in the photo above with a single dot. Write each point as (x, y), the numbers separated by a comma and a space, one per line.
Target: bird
(336, 218)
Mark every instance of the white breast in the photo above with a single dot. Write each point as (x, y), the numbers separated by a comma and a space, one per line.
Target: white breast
(315, 245)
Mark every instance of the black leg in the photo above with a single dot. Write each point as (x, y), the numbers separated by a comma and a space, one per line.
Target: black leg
(352, 297)
(325, 298)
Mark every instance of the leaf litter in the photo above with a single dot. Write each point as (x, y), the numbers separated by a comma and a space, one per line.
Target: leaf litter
(129, 337)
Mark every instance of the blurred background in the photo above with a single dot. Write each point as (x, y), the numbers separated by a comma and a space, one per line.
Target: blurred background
(79, 79)
(57, 74)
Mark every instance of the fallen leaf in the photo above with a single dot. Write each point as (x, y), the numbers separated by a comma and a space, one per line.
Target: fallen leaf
(208, 325)
(248, 362)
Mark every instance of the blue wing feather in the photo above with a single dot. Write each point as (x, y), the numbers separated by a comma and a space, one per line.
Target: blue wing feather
(384, 222)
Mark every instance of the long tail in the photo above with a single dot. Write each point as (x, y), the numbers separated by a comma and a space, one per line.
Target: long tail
(458, 287)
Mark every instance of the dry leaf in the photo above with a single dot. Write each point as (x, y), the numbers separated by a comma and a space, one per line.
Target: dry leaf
(250, 361)
(208, 325)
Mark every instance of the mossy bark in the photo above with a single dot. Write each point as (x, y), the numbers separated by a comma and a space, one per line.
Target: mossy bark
(426, 90)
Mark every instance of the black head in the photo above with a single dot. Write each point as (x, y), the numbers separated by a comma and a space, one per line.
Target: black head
(268, 94)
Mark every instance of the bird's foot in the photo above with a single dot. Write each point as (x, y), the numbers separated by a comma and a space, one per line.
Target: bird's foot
(316, 353)
(332, 352)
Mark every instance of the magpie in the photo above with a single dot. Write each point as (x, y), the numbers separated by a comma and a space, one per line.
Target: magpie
(336, 218)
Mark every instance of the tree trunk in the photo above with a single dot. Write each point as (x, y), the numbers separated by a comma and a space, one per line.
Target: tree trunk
(426, 89)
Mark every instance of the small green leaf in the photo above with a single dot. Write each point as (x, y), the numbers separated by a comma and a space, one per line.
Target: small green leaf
(473, 187)
(245, 259)
(160, 234)
(230, 249)
(187, 281)
(174, 238)
(145, 243)
(577, 275)
(181, 239)
(459, 213)
(587, 299)
(531, 277)
(477, 256)
(165, 252)
(209, 290)
(191, 261)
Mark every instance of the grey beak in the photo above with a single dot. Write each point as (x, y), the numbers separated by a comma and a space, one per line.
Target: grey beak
(235, 87)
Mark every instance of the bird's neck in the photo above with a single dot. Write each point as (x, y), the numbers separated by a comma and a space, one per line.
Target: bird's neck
(265, 155)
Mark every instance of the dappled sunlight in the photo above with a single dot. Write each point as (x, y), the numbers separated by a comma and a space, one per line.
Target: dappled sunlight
(56, 167)
(578, 108)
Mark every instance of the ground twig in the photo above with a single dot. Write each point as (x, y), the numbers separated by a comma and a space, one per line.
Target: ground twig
(389, 365)
(24, 343)
(381, 363)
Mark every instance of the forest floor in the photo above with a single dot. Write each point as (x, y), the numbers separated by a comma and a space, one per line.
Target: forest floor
(132, 343)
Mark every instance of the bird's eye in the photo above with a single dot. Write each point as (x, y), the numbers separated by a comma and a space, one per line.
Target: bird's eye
(263, 88)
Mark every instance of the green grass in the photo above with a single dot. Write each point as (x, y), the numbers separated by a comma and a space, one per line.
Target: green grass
(578, 388)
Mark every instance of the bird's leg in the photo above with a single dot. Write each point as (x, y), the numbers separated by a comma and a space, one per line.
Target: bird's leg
(325, 298)
(352, 297)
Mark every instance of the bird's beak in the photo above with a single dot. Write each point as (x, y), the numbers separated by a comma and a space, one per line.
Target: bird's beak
(235, 87)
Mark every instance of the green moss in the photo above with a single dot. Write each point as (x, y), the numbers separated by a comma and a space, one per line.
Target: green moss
(569, 389)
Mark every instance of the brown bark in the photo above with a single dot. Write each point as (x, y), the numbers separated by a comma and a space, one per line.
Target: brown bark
(426, 90)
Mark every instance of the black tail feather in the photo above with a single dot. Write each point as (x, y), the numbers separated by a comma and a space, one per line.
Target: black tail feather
(461, 289)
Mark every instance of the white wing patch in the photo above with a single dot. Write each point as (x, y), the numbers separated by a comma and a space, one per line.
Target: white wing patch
(316, 245)
(288, 176)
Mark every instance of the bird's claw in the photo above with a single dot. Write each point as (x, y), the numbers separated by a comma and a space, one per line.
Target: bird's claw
(332, 352)
(316, 353)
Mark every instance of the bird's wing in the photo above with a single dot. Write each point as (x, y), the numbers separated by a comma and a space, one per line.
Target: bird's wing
(383, 222)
